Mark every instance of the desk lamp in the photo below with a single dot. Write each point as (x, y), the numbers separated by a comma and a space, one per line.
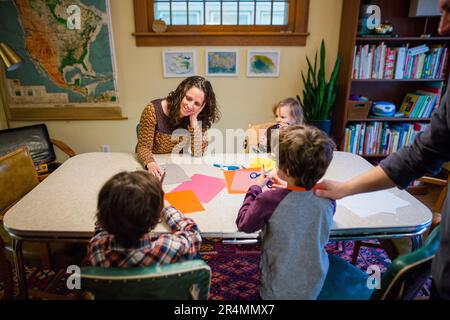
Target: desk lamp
(11, 62)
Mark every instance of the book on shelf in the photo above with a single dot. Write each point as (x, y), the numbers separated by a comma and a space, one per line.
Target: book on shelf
(405, 62)
(380, 138)
(422, 103)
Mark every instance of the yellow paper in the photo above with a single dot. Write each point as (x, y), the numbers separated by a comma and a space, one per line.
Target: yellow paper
(259, 162)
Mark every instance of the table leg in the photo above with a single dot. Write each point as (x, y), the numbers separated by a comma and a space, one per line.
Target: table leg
(20, 268)
(416, 242)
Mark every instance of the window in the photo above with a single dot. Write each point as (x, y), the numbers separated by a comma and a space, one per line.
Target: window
(222, 22)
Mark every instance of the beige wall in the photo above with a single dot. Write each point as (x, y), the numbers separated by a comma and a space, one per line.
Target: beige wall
(243, 100)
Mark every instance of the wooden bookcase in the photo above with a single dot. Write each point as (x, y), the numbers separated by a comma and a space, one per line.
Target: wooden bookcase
(408, 31)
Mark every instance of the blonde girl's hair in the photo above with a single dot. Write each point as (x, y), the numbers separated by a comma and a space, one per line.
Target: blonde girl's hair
(295, 109)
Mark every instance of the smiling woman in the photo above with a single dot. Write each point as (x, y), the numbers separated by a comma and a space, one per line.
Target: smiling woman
(191, 106)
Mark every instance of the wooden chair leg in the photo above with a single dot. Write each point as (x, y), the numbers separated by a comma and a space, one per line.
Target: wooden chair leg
(6, 274)
(45, 255)
(355, 254)
(390, 248)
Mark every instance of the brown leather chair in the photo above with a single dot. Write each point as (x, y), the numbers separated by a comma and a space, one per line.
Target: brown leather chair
(40, 146)
(18, 176)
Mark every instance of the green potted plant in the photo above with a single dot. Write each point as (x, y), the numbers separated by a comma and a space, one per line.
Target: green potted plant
(319, 94)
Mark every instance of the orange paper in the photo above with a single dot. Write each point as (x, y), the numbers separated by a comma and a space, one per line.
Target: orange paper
(185, 201)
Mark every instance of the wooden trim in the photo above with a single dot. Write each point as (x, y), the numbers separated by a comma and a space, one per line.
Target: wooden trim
(301, 16)
(180, 39)
(223, 29)
(349, 27)
(293, 34)
(66, 113)
(140, 16)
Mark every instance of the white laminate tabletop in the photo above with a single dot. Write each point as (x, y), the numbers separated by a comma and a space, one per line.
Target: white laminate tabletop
(64, 204)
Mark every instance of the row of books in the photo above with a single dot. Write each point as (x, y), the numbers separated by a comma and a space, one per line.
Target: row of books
(382, 62)
(380, 138)
(422, 103)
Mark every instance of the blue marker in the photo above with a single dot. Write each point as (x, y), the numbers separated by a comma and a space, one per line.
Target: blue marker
(221, 166)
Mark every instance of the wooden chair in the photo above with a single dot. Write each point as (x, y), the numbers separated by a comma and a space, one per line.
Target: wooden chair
(187, 280)
(437, 209)
(390, 245)
(40, 146)
(404, 278)
(254, 133)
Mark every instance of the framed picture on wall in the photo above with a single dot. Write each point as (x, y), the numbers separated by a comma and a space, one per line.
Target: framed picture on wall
(263, 63)
(221, 62)
(179, 63)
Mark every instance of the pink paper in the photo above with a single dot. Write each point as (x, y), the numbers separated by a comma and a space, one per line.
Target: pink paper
(204, 187)
(242, 180)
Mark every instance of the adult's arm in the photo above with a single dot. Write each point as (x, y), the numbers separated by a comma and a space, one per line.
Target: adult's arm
(199, 140)
(372, 180)
(426, 155)
(428, 152)
(147, 126)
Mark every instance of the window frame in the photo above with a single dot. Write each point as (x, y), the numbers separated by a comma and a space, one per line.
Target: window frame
(293, 34)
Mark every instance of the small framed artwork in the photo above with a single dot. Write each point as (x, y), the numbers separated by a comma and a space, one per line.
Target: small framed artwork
(179, 63)
(221, 63)
(263, 63)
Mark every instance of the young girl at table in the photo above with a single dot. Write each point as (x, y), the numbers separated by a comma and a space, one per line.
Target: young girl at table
(287, 112)
(295, 223)
(130, 205)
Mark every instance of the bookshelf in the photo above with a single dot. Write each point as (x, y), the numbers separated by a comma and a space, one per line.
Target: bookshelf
(375, 86)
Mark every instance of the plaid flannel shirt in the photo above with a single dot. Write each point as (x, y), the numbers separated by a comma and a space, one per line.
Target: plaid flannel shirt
(182, 243)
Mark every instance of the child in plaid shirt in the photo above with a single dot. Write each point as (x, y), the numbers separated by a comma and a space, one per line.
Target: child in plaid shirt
(130, 205)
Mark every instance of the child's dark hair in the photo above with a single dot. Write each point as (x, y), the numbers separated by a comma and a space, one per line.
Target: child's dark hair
(295, 109)
(130, 205)
(305, 153)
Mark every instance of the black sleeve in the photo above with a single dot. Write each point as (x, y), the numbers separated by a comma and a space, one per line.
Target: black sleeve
(429, 151)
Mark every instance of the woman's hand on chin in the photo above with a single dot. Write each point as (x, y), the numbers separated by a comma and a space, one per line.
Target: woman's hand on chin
(193, 117)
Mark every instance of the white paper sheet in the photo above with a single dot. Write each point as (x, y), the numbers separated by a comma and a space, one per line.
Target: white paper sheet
(174, 174)
(367, 204)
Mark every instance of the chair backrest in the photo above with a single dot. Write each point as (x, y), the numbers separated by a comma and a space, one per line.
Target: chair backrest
(408, 273)
(17, 177)
(254, 132)
(178, 281)
(35, 138)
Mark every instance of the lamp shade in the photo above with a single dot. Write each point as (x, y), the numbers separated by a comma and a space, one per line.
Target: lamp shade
(11, 60)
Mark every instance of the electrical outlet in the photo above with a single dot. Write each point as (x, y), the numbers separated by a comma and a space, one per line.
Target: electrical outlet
(105, 148)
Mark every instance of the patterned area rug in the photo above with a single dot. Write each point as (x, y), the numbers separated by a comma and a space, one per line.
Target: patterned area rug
(235, 269)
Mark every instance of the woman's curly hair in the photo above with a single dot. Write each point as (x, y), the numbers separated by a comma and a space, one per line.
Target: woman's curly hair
(210, 112)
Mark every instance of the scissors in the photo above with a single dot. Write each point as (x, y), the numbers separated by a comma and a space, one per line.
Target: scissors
(254, 175)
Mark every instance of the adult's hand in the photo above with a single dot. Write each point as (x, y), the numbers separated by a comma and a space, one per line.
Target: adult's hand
(331, 189)
(373, 180)
(155, 169)
(193, 117)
